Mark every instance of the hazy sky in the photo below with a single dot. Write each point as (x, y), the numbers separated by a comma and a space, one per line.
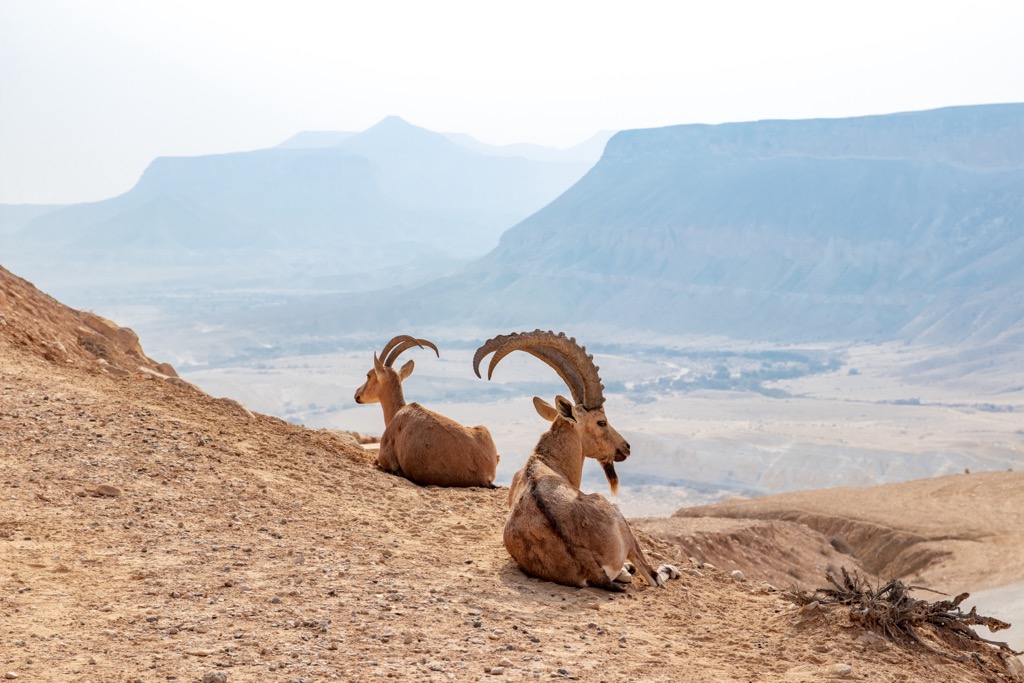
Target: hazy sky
(91, 91)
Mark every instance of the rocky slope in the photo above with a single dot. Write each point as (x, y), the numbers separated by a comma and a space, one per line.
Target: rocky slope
(150, 532)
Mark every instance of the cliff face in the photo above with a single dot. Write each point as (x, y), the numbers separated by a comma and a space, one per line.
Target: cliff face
(901, 226)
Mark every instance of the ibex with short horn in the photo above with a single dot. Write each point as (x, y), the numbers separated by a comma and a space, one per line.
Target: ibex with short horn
(554, 531)
(423, 446)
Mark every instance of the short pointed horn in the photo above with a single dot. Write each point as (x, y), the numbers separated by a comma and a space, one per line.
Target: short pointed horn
(563, 354)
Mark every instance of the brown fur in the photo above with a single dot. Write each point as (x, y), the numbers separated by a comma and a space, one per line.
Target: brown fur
(600, 441)
(423, 446)
(555, 531)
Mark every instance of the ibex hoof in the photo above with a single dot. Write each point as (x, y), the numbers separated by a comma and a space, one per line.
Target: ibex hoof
(668, 572)
(626, 574)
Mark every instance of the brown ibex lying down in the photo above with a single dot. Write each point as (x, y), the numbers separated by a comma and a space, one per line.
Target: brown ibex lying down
(419, 444)
(555, 531)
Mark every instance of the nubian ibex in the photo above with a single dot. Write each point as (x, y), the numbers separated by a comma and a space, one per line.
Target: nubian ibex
(555, 531)
(419, 444)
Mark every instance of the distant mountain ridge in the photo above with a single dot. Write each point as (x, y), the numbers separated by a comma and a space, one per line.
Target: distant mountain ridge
(899, 226)
(979, 137)
(588, 151)
(330, 205)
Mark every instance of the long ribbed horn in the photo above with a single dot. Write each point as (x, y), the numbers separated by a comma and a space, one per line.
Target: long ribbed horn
(394, 348)
(563, 354)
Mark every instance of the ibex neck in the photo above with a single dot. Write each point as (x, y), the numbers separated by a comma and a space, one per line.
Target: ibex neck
(560, 449)
(392, 401)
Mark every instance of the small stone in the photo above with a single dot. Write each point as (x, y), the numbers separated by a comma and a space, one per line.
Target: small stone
(275, 601)
(11, 675)
(215, 677)
(873, 640)
(505, 662)
(106, 490)
(736, 574)
(842, 670)
(694, 572)
(497, 670)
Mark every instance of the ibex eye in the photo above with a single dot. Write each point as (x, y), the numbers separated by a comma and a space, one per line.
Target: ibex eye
(602, 423)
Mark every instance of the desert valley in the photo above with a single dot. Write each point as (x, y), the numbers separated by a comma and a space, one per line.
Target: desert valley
(709, 319)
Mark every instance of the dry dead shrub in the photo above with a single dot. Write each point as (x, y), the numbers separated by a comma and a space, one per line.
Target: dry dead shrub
(893, 612)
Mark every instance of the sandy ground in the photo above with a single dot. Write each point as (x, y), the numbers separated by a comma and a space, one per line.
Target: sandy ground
(149, 532)
(960, 533)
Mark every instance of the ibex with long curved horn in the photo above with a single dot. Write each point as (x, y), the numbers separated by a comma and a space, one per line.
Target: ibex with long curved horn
(555, 531)
(576, 368)
(423, 446)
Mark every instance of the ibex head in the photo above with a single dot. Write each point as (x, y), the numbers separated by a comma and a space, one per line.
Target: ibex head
(576, 368)
(383, 377)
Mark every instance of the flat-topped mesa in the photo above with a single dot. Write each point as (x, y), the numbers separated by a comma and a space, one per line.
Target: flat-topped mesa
(555, 531)
(423, 446)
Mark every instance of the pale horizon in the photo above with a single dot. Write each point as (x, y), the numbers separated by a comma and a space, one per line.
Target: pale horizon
(94, 91)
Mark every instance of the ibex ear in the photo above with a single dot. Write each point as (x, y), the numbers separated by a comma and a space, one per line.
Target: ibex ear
(545, 409)
(406, 370)
(378, 367)
(566, 409)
